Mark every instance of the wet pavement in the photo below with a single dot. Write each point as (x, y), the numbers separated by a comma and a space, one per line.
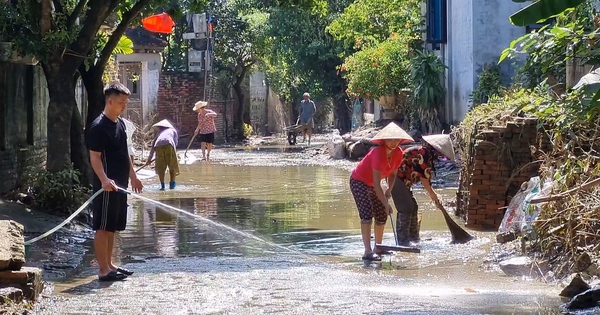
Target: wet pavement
(187, 265)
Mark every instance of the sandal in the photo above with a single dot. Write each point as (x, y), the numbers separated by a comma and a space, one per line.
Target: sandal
(372, 257)
(124, 271)
(112, 276)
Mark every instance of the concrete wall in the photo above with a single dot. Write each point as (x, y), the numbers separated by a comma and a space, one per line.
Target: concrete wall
(478, 31)
(23, 122)
(258, 95)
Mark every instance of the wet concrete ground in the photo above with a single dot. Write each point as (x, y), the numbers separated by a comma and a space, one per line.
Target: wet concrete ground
(188, 266)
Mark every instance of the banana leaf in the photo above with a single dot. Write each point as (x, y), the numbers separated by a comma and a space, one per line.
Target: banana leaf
(542, 10)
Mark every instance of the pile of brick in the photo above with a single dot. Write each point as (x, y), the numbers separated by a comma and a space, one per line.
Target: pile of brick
(502, 160)
(17, 283)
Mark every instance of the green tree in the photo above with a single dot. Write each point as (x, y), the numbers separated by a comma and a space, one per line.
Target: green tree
(61, 35)
(239, 41)
(305, 58)
(381, 36)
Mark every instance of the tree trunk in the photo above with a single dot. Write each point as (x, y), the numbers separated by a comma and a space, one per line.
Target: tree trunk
(95, 95)
(237, 88)
(79, 153)
(343, 115)
(62, 101)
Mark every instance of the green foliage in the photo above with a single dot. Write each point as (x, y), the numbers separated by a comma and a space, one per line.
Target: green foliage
(542, 10)
(303, 57)
(383, 35)
(427, 75)
(58, 192)
(370, 22)
(379, 70)
(549, 48)
(489, 83)
(247, 130)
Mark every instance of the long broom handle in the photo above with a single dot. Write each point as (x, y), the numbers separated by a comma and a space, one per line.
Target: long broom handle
(189, 144)
(394, 229)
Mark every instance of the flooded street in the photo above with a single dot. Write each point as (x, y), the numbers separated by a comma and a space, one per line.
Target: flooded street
(185, 265)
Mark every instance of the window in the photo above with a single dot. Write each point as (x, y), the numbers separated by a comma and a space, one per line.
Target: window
(437, 22)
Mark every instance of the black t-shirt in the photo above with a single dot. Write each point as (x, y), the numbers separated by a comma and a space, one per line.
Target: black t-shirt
(110, 138)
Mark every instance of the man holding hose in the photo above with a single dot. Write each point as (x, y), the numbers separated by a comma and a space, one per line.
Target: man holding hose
(109, 157)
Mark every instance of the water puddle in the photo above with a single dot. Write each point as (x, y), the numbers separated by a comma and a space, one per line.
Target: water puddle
(192, 266)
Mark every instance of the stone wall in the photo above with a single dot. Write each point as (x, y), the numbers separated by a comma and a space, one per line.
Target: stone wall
(177, 94)
(500, 160)
(23, 122)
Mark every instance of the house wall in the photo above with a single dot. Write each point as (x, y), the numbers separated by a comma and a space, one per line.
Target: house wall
(150, 76)
(23, 122)
(177, 94)
(478, 31)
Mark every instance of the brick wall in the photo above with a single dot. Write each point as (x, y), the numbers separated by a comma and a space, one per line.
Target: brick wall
(23, 121)
(177, 94)
(501, 160)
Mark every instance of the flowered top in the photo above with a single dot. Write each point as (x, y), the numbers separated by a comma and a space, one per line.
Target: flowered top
(417, 164)
(206, 122)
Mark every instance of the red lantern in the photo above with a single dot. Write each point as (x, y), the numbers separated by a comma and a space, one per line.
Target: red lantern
(159, 23)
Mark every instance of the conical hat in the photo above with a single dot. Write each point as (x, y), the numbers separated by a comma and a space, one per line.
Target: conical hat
(442, 143)
(392, 131)
(200, 104)
(163, 123)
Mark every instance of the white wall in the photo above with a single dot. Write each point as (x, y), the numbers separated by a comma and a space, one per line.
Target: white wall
(478, 31)
(152, 74)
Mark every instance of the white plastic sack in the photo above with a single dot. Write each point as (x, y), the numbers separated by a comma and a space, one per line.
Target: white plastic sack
(336, 147)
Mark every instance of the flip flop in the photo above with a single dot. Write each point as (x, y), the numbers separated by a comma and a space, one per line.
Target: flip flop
(112, 276)
(372, 257)
(124, 271)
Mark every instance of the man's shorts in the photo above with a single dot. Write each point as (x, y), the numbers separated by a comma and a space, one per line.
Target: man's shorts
(110, 211)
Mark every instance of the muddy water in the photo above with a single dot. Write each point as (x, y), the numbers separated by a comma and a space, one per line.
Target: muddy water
(186, 266)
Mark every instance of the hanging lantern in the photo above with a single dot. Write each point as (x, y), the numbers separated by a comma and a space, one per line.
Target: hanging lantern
(159, 23)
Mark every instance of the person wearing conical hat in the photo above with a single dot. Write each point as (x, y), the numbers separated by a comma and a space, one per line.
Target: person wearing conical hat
(206, 128)
(417, 166)
(164, 146)
(380, 163)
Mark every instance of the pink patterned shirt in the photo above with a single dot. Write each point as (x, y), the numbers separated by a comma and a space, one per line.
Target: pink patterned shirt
(206, 122)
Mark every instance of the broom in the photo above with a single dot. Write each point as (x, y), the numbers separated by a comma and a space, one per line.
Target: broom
(459, 235)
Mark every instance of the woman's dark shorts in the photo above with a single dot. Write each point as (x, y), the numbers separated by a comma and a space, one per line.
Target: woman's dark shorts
(207, 137)
(369, 206)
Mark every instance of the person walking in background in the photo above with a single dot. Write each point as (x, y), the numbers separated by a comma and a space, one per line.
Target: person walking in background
(110, 160)
(417, 166)
(382, 162)
(164, 145)
(206, 128)
(307, 114)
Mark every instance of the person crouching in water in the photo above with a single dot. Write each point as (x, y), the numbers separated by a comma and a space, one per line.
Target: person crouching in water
(365, 183)
(206, 128)
(164, 145)
(417, 166)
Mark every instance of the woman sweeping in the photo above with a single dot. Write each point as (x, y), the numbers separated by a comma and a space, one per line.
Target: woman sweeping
(380, 163)
(417, 166)
(206, 128)
(164, 145)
